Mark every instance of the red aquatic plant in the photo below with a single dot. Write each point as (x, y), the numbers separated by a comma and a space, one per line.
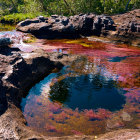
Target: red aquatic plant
(92, 115)
(103, 113)
(60, 118)
(133, 95)
(75, 132)
(69, 111)
(50, 128)
(51, 116)
(55, 108)
(76, 114)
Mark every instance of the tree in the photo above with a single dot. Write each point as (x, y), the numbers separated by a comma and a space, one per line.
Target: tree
(43, 2)
(14, 6)
(127, 5)
(68, 6)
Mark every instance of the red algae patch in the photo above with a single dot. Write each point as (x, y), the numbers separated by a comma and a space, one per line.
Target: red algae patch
(110, 70)
(64, 121)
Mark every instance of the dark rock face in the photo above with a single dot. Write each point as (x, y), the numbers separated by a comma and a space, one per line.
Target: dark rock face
(3, 101)
(129, 28)
(67, 27)
(5, 41)
(103, 24)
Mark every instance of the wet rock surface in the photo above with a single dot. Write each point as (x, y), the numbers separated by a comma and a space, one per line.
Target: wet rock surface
(125, 134)
(20, 71)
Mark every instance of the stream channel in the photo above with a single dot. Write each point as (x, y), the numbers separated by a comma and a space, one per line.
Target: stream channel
(97, 93)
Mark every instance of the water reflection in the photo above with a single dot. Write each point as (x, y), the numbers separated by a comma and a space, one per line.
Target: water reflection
(100, 91)
(88, 92)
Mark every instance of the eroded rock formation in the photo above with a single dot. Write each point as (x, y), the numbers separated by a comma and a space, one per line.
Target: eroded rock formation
(67, 27)
(127, 27)
(123, 27)
(18, 73)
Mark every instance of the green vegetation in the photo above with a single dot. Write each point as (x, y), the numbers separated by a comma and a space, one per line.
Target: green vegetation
(17, 17)
(6, 27)
(13, 11)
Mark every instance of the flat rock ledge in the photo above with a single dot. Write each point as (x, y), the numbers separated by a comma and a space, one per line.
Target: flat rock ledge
(18, 73)
(123, 27)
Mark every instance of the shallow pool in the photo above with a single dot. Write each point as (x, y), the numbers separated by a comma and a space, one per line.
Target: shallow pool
(98, 92)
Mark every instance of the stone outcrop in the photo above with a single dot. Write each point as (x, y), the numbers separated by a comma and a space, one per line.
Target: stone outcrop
(18, 73)
(67, 27)
(128, 22)
(122, 27)
(103, 24)
(127, 27)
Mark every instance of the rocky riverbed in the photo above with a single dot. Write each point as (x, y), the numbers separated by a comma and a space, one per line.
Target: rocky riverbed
(20, 70)
(122, 28)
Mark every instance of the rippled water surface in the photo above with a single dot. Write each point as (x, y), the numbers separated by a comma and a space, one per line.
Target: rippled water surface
(98, 92)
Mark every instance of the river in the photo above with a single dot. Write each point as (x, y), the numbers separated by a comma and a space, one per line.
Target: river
(97, 93)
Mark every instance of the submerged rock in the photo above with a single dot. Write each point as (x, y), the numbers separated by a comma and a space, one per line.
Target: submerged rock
(126, 117)
(114, 122)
